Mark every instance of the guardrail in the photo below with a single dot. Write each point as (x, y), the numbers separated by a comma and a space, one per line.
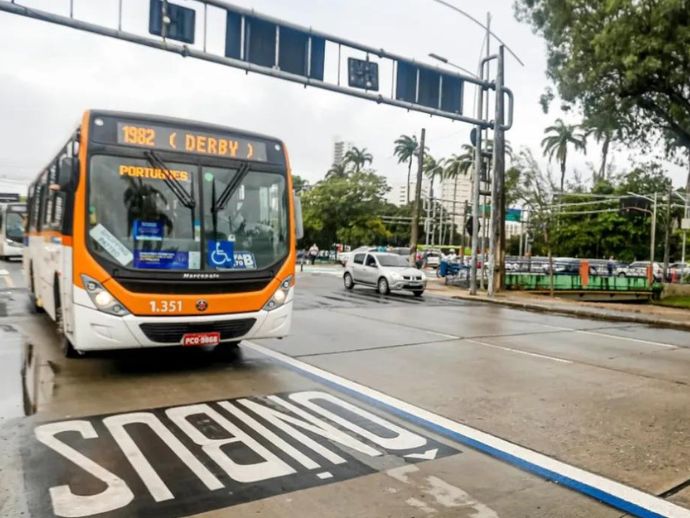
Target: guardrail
(564, 282)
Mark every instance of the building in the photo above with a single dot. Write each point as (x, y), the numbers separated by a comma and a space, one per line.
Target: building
(340, 149)
(398, 194)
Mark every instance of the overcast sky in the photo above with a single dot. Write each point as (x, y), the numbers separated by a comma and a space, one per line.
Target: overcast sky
(51, 74)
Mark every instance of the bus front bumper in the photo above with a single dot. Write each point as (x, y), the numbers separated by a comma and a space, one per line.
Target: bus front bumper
(95, 330)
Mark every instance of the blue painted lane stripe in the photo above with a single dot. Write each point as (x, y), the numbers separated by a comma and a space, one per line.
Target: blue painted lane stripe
(636, 502)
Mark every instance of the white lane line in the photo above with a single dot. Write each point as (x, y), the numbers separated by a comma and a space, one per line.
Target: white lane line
(630, 339)
(517, 351)
(606, 335)
(613, 493)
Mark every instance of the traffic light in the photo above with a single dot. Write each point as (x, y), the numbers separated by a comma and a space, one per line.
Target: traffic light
(469, 224)
(178, 21)
(362, 74)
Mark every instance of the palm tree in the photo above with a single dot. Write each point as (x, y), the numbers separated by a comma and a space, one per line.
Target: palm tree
(558, 138)
(604, 134)
(358, 157)
(406, 148)
(337, 171)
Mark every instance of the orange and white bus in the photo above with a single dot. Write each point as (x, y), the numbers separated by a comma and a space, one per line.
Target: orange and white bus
(148, 231)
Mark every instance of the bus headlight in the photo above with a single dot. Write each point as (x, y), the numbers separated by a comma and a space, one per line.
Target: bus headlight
(102, 298)
(280, 295)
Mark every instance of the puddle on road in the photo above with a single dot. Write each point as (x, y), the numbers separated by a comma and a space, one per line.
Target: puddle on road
(38, 379)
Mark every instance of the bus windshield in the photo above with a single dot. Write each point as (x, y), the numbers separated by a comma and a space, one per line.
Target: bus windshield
(137, 219)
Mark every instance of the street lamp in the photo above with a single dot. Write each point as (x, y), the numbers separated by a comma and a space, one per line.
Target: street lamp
(684, 231)
(451, 64)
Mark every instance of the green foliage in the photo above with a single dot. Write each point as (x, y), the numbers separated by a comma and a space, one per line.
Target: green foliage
(602, 232)
(346, 209)
(406, 149)
(626, 61)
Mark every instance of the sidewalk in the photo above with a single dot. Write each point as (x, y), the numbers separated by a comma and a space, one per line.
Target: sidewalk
(617, 312)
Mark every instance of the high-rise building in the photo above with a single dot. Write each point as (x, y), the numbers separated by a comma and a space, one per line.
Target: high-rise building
(340, 149)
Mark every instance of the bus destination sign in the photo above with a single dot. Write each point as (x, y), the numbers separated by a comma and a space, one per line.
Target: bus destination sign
(190, 141)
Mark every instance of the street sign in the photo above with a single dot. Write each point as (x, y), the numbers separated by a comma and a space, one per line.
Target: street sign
(271, 45)
(428, 87)
(514, 215)
(363, 74)
(177, 21)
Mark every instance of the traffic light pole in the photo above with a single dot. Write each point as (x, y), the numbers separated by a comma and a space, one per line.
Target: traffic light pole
(497, 229)
(414, 237)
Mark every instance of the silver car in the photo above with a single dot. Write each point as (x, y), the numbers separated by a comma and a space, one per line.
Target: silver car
(384, 271)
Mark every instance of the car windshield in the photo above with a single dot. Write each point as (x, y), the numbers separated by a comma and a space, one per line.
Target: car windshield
(138, 220)
(14, 223)
(393, 261)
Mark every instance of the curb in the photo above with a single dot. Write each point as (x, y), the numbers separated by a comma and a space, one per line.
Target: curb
(579, 312)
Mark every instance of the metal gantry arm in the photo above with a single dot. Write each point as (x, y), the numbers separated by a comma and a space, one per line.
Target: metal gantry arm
(187, 51)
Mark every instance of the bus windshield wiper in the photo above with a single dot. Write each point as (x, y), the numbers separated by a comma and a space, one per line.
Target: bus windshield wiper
(173, 183)
(219, 204)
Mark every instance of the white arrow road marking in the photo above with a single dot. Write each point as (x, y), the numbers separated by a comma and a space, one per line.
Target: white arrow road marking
(427, 455)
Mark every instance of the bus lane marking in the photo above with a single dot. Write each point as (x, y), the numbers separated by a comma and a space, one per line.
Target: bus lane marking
(189, 459)
(610, 492)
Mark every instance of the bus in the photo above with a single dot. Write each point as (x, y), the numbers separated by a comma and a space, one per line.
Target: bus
(12, 222)
(148, 231)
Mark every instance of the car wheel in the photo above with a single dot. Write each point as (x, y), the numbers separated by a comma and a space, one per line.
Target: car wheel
(383, 287)
(348, 282)
(418, 293)
(621, 275)
(66, 346)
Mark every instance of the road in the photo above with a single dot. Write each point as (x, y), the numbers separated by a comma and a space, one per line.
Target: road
(374, 406)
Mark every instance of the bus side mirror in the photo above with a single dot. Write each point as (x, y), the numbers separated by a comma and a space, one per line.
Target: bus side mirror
(67, 172)
(299, 222)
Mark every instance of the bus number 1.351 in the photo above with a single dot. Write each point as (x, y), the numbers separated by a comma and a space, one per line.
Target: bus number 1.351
(166, 306)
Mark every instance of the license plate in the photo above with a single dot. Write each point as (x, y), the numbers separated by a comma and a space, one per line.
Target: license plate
(199, 339)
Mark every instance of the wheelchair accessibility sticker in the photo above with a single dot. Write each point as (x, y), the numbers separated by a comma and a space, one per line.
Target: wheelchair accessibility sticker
(221, 254)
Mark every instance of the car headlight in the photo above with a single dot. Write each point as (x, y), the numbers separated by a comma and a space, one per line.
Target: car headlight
(423, 276)
(102, 298)
(281, 294)
(9, 242)
(396, 276)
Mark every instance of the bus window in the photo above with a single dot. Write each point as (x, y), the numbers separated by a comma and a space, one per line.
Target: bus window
(254, 219)
(130, 202)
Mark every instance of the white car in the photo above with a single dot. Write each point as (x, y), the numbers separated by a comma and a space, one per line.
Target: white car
(639, 269)
(384, 271)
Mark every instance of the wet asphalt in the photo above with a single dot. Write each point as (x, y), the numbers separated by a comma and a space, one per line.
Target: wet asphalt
(613, 399)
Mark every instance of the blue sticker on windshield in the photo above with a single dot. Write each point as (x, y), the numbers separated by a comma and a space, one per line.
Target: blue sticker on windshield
(147, 230)
(161, 260)
(220, 254)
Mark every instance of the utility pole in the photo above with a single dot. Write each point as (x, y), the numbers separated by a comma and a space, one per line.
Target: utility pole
(417, 201)
(497, 232)
(653, 244)
(462, 233)
(667, 236)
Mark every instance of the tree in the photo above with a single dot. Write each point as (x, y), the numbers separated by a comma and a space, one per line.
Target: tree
(406, 149)
(558, 138)
(337, 171)
(626, 60)
(346, 209)
(605, 130)
(299, 184)
(358, 158)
